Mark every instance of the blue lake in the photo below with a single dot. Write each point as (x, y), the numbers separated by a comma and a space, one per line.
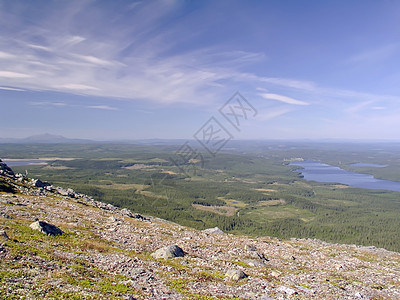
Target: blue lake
(24, 162)
(320, 172)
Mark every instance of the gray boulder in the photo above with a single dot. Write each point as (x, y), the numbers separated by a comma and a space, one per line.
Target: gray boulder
(235, 274)
(213, 230)
(166, 252)
(46, 228)
(39, 183)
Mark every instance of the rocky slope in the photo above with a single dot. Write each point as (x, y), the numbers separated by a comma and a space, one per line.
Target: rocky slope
(103, 252)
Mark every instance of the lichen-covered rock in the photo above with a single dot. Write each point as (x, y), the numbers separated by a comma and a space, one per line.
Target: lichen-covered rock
(170, 251)
(235, 274)
(46, 228)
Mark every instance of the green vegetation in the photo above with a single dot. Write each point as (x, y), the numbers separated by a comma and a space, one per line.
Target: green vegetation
(256, 193)
(26, 243)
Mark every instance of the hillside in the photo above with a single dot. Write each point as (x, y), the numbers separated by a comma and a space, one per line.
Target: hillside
(105, 252)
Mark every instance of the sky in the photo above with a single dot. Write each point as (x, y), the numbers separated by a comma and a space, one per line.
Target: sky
(116, 70)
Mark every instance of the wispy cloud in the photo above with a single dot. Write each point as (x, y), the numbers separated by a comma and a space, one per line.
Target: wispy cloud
(292, 83)
(5, 55)
(102, 107)
(358, 107)
(77, 87)
(14, 75)
(375, 55)
(138, 61)
(283, 99)
(38, 47)
(272, 113)
(94, 60)
(11, 89)
(47, 103)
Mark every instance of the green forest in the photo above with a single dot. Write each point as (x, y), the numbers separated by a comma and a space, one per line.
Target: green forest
(250, 189)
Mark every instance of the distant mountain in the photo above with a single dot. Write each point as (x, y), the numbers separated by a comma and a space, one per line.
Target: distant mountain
(45, 139)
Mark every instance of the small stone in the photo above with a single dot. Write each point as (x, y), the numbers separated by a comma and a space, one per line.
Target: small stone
(46, 228)
(250, 248)
(289, 257)
(126, 212)
(4, 215)
(338, 267)
(113, 219)
(358, 295)
(235, 274)
(266, 297)
(286, 290)
(4, 235)
(306, 290)
(275, 274)
(168, 252)
(254, 263)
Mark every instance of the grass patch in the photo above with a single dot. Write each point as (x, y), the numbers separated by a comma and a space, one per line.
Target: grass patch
(279, 212)
(220, 210)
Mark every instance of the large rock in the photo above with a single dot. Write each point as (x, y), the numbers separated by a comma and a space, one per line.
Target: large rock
(235, 274)
(168, 252)
(6, 170)
(39, 183)
(213, 230)
(46, 228)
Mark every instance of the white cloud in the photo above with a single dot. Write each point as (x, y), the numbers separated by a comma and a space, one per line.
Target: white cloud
(72, 40)
(4, 55)
(47, 103)
(6, 88)
(94, 60)
(292, 83)
(103, 107)
(77, 87)
(39, 47)
(283, 99)
(13, 75)
(136, 62)
(272, 113)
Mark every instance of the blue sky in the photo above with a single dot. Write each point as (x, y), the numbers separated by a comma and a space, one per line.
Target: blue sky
(160, 69)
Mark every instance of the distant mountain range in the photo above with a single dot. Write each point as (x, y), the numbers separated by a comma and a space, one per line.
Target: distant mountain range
(59, 139)
(45, 139)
